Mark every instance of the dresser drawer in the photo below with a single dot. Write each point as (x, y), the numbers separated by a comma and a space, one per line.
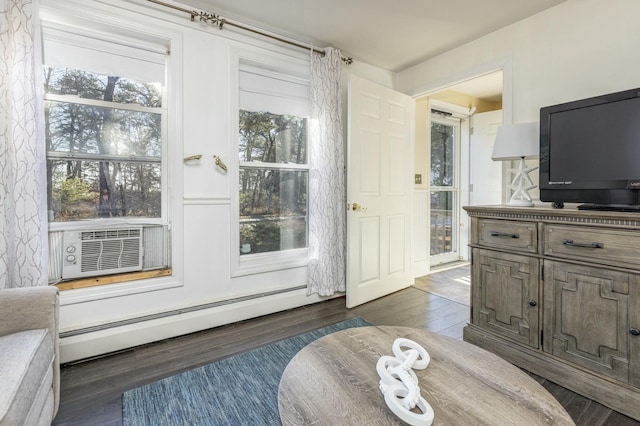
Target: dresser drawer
(508, 234)
(596, 245)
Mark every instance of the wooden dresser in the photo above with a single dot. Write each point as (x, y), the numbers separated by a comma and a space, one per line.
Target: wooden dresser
(557, 292)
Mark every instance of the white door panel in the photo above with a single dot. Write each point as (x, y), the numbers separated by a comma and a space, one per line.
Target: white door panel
(485, 174)
(397, 255)
(379, 178)
(369, 152)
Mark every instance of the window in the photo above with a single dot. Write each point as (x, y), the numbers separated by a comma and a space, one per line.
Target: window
(445, 145)
(103, 127)
(273, 166)
(105, 135)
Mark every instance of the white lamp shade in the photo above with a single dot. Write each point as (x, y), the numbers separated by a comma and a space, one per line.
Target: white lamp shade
(516, 141)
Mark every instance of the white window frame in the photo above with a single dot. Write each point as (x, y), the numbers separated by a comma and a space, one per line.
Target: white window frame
(291, 63)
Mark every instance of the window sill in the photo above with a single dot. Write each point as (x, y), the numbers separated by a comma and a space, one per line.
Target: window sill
(269, 262)
(105, 287)
(112, 279)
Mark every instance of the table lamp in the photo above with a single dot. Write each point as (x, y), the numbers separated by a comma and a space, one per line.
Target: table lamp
(518, 142)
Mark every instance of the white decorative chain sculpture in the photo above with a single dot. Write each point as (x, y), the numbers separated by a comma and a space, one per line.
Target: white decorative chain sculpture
(399, 383)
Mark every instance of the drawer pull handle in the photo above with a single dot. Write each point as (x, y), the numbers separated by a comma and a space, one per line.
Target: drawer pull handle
(504, 234)
(635, 332)
(589, 245)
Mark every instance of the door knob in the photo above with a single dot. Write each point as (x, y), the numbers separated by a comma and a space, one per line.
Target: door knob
(358, 208)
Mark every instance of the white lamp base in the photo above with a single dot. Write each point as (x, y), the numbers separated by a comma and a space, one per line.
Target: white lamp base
(520, 203)
(521, 185)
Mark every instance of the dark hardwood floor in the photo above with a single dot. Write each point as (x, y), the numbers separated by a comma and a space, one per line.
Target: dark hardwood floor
(91, 391)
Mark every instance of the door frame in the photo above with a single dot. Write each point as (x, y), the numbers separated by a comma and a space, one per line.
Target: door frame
(505, 65)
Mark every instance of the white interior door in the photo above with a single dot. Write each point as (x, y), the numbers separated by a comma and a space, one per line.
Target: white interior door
(485, 174)
(379, 190)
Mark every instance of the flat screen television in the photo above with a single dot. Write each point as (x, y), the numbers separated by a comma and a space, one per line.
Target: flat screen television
(590, 152)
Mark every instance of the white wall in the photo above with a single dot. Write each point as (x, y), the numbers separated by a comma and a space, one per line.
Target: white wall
(107, 318)
(371, 73)
(578, 49)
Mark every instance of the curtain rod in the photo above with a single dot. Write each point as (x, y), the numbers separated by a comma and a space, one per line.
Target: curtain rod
(217, 20)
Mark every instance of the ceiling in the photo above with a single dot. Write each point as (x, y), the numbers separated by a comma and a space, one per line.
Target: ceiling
(487, 87)
(390, 34)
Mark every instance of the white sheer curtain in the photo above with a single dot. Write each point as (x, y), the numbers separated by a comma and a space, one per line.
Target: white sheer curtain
(326, 177)
(23, 220)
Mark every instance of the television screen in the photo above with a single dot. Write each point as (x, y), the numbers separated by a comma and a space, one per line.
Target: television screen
(590, 150)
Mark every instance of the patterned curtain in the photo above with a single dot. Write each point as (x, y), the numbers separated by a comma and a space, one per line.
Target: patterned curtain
(327, 268)
(23, 220)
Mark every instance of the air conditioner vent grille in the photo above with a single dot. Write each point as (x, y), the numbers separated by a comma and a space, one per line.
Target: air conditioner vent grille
(95, 252)
(110, 254)
(110, 234)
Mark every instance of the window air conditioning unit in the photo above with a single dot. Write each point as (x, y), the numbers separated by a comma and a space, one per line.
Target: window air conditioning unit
(88, 253)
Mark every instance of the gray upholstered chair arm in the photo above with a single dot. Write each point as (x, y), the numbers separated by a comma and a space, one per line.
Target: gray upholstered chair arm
(32, 308)
(29, 308)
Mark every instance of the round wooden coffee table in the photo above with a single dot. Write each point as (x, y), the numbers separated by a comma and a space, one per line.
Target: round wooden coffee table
(333, 381)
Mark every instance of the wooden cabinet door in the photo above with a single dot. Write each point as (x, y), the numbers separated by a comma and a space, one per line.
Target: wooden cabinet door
(634, 328)
(587, 317)
(505, 295)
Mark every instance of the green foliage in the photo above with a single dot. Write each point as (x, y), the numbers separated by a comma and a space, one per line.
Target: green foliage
(272, 138)
(74, 199)
(273, 234)
(261, 236)
(75, 189)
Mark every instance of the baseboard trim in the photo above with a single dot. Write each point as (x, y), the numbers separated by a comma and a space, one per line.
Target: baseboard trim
(100, 327)
(89, 343)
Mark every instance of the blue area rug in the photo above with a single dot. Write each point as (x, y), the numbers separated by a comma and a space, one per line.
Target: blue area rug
(240, 390)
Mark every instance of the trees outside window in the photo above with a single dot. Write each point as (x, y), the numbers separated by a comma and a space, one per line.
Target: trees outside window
(104, 145)
(273, 182)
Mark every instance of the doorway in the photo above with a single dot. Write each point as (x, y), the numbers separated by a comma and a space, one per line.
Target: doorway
(467, 177)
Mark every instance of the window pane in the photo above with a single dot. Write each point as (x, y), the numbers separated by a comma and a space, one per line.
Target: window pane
(442, 209)
(272, 138)
(442, 154)
(273, 209)
(127, 188)
(272, 234)
(88, 85)
(75, 128)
